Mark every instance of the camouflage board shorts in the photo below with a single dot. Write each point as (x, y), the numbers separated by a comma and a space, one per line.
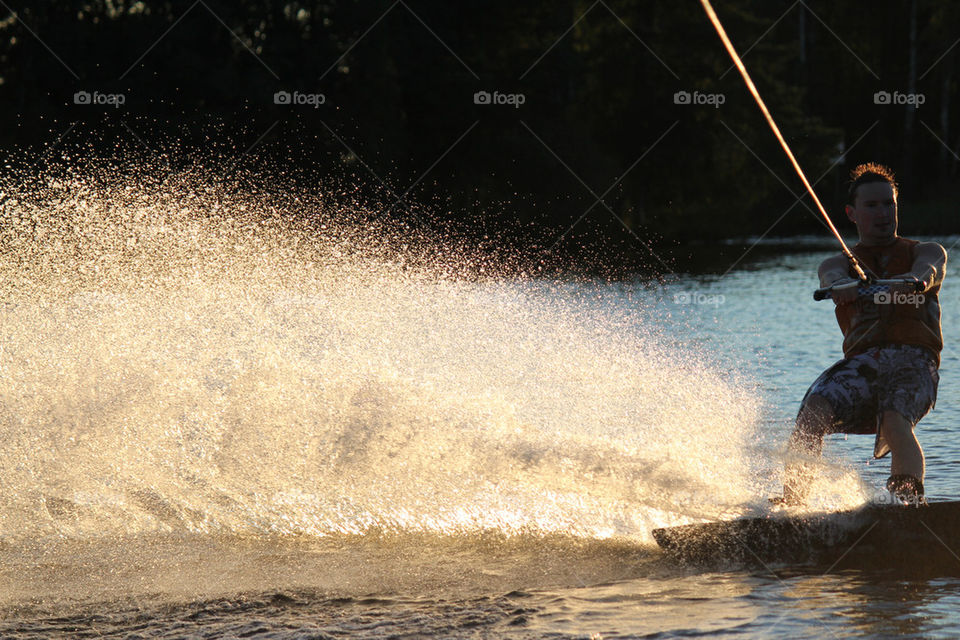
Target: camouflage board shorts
(901, 378)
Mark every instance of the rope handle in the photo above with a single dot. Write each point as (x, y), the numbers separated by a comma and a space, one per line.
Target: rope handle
(869, 288)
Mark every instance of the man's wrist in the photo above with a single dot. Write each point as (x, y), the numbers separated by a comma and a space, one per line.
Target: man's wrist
(845, 283)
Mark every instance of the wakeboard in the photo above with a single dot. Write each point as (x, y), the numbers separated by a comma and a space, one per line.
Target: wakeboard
(874, 535)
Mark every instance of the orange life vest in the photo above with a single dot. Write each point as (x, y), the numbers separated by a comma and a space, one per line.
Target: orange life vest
(872, 321)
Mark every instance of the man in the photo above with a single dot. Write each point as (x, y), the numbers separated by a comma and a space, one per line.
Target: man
(888, 377)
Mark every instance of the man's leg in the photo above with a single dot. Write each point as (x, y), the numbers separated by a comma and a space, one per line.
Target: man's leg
(813, 422)
(905, 452)
(906, 456)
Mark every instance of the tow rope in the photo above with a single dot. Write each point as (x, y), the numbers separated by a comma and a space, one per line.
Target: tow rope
(773, 125)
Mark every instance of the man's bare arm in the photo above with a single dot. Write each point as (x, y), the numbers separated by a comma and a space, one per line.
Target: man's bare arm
(930, 264)
(833, 270)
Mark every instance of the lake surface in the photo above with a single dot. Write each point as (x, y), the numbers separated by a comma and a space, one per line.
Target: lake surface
(337, 450)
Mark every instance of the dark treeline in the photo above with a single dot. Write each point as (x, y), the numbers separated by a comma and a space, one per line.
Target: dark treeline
(604, 88)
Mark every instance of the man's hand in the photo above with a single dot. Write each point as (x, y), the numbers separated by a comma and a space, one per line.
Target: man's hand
(844, 291)
(911, 285)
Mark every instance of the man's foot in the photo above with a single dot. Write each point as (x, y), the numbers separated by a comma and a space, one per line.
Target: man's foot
(780, 501)
(789, 499)
(907, 490)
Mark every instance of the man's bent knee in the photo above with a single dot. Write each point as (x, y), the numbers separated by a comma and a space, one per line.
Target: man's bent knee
(816, 417)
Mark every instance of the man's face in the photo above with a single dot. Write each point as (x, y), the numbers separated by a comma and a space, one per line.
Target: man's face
(875, 212)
